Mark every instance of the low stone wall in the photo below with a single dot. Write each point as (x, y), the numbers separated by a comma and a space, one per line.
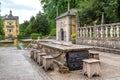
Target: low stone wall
(108, 43)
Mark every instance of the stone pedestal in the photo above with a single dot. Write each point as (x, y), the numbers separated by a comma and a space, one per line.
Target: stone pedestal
(91, 67)
(39, 58)
(47, 62)
(32, 54)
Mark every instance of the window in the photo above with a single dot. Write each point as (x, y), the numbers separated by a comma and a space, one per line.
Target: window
(9, 30)
(9, 24)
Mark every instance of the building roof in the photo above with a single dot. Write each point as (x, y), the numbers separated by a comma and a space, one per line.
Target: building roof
(10, 17)
(68, 13)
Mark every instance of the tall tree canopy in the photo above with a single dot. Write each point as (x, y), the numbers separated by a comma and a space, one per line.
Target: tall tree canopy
(90, 10)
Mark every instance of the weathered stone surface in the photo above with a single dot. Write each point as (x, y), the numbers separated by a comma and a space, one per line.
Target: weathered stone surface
(15, 66)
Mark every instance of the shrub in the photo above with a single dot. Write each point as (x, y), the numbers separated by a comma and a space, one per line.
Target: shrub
(36, 35)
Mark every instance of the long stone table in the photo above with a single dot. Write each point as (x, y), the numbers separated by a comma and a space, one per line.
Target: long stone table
(68, 54)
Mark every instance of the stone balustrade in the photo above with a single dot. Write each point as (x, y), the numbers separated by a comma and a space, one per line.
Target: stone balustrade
(106, 35)
(99, 31)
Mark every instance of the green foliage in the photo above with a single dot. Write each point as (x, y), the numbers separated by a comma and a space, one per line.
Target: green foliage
(23, 26)
(40, 25)
(91, 10)
(1, 37)
(1, 26)
(36, 35)
(53, 32)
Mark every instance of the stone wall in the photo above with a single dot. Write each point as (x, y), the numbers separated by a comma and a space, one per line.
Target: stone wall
(108, 43)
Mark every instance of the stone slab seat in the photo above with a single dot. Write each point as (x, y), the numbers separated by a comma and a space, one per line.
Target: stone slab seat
(39, 58)
(35, 54)
(91, 67)
(47, 62)
(62, 68)
(38, 52)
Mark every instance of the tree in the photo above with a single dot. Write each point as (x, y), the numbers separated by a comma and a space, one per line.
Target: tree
(38, 25)
(1, 26)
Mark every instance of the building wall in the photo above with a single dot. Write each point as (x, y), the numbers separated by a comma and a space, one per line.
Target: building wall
(67, 23)
(14, 27)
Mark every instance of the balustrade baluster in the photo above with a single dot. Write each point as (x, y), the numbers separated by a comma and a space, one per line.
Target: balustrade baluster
(106, 32)
(117, 31)
(114, 31)
(111, 31)
(80, 32)
(97, 32)
(83, 33)
(86, 32)
(90, 32)
(102, 32)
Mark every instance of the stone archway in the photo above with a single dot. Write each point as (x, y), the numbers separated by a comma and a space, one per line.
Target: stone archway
(62, 34)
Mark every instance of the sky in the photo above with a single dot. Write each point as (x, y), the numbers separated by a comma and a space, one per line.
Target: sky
(22, 8)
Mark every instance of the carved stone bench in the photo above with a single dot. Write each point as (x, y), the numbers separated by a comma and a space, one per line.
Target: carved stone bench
(94, 55)
(91, 67)
(47, 62)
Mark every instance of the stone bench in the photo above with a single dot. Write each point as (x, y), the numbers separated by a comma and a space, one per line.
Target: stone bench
(94, 55)
(47, 62)
(91, 67)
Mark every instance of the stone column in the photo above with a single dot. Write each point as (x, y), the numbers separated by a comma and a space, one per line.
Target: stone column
(118, 33)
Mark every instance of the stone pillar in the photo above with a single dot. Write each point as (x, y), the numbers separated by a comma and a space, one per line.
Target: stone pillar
(70, 28)
(77, 25)
(106, 32)
(118, 33)
(111, 31)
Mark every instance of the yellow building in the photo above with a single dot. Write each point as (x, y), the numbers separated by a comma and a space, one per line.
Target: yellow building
(11, 25)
